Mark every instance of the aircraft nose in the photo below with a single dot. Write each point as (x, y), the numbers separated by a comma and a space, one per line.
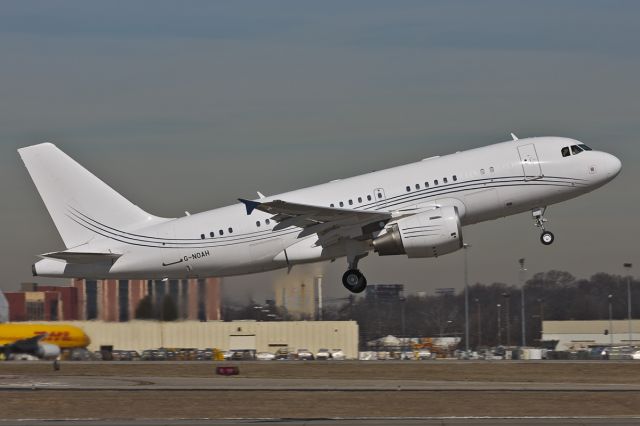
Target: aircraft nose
(612, 165)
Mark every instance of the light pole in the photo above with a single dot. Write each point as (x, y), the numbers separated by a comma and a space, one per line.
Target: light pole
(628, 266)
(466, 297)
(507, 297)
(541, 302)
(610, 297)
(499, 326)
(479, 320)
(522, 316)
(402, 320)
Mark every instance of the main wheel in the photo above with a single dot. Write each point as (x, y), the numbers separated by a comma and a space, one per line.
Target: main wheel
(547, 238)
(354, 281)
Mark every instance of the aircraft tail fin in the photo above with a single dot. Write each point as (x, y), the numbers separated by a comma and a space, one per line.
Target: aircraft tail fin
(80, 204)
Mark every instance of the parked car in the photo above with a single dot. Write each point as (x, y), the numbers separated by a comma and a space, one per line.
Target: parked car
(305, 355)
(282, 354)
(424, 354)
(244, 355)
(265, 356)
(337, 354)
(323, 354)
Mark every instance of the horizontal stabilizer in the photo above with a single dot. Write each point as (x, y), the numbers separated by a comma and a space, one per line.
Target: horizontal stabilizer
(81, 257)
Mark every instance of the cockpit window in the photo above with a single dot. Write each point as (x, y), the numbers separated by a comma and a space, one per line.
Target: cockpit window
(584, 147)
(565, 151)
(575, 149)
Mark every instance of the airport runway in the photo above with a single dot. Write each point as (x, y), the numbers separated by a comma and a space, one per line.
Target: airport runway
(231, 383)
(400, 421)
(299, 393)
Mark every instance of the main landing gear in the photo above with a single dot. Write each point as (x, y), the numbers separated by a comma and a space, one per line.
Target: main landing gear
(353, 280)
(546, 237)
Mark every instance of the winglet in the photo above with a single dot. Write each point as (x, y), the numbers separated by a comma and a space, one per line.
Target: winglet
(250, 205)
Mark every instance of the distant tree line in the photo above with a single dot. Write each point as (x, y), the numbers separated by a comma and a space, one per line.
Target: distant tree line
(553, 295)
(167, 311)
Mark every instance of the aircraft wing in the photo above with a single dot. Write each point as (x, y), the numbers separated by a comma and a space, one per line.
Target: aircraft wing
(328, 222)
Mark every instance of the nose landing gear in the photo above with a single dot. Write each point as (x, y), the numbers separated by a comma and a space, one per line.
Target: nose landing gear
(546, 237)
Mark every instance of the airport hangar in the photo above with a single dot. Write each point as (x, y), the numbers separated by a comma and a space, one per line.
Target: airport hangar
(582, 334)
(261, 336)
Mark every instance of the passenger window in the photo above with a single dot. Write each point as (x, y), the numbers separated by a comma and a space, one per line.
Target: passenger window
(221, 232)
(417, 186)
(455, 178)
(491, 169)
(426, 184)
(350, 202)
(202, 236)
(359, 199)
(258, 223)
(575, 149)
(435, 182)
(481, 171)
(408, 188)
(231, 230)
(379, 195)
(212, 234)
(267, 221)
(368, 197)
(444, 180)
(341, 204)
(331, 205)
(565, 151)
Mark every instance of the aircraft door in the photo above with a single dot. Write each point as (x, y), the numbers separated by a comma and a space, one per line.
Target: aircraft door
(529, 160)
(379, 197)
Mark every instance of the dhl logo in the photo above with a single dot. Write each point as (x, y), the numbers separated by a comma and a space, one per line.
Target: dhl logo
(55, 336)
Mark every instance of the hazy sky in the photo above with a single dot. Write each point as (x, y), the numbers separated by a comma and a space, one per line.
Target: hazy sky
(190, 105)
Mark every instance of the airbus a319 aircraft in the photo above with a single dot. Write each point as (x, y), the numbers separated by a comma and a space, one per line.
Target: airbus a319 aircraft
(417, 210)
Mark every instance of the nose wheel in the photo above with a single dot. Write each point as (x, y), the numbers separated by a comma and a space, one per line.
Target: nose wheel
(354, 281)
(546, 237)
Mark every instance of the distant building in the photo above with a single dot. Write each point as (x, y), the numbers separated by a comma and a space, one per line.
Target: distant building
(260, 336)
(297, 297)
(114, 300)
(387, 292)
(581, 334)
(117, 300)
(4, 308)
(37, 305)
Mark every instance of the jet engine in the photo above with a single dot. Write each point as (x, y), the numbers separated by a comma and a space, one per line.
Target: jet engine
(48, 351)
(427, 234)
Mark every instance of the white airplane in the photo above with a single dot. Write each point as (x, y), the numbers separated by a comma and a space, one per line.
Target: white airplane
(417, 210)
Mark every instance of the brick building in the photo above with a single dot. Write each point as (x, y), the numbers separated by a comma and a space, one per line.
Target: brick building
(114, 300)
(117, 300)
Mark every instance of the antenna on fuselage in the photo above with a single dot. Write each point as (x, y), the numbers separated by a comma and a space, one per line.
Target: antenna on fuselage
(514, 137)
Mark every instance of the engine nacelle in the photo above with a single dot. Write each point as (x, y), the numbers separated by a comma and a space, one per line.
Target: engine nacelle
(428, 234)
(48, 351)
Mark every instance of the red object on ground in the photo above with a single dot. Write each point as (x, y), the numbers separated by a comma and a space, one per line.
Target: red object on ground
(227, 370)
